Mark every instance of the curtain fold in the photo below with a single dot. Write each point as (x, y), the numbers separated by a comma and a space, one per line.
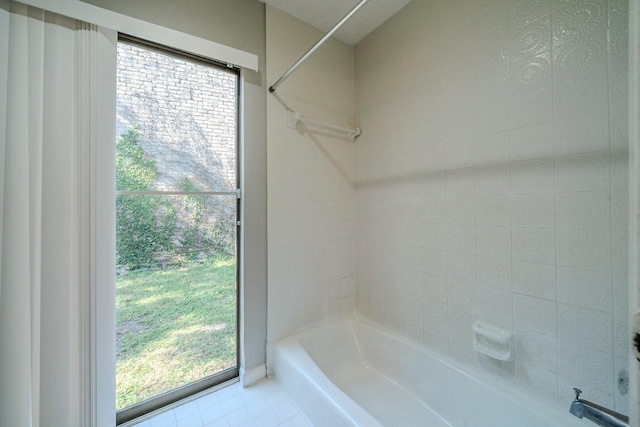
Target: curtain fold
(45, 346)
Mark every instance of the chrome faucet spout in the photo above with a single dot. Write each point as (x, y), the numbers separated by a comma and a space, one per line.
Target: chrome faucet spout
(598, 414)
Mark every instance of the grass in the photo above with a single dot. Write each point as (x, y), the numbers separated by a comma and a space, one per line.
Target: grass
(173, 327)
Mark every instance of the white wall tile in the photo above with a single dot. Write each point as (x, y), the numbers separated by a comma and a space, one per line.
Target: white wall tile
(492, 149)
(534, 279)
(493, 179)
(585, 327)
(522, 13)
(531, 142)
(461, 182)
(432, 236)
(534, 314)
(433, 262)
(536, 349)
(584, 210)
(436, 337)
(533, 176)
(461, 267)
(433, 210)
(572, 60)
(493, 242)
(502, 371)
(461, 295)
(495, 306)
(530, 39)
(584, 249)
(534, 245)
(533, 210)
(581, 95)
(461, 238)
(493, 272)
(582, 172)
(460, 155)
(541, 383)
(582, 133)
(591, 367)
(501, 161)
(585, 288)
(580, 19)
(531, 73)
(493, 210)
(460, 210)
(530, 107)
(434, 287)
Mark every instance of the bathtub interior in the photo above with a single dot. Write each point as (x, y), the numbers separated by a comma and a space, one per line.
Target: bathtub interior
(371, 365)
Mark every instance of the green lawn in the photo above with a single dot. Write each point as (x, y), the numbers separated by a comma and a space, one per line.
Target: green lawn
(173, 327)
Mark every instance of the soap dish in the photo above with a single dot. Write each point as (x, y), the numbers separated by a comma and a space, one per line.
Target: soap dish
(493, 341)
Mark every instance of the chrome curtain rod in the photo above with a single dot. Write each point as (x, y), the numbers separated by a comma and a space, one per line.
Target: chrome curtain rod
(319, 43)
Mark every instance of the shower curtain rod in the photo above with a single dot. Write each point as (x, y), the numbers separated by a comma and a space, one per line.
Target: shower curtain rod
(319, 43)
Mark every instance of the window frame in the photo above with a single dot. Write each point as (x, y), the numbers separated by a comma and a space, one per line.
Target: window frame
(192, 389)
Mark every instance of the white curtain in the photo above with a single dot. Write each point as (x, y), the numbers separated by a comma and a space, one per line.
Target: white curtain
(48, 106)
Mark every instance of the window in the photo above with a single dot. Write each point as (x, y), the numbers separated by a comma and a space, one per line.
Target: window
(176, 226)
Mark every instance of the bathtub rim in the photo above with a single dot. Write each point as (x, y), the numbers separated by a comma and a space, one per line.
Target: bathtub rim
(473, 373)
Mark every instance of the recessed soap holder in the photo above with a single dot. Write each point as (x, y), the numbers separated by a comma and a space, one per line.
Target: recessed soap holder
(493, 341)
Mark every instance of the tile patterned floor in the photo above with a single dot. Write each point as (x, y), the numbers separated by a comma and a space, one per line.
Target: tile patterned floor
(264, 405)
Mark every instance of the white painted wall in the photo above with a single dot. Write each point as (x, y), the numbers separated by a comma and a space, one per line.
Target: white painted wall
(492, 184)
(310, 181)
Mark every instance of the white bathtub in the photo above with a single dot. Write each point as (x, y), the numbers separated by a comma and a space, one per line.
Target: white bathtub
(351, 372)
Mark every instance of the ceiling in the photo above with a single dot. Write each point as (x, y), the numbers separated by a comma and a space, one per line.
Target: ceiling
(324, 14)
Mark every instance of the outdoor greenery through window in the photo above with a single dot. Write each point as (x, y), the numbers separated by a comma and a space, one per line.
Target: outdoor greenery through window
(176, 162)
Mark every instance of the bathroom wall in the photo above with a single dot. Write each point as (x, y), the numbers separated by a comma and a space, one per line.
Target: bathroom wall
(311, 208)
(492, 185)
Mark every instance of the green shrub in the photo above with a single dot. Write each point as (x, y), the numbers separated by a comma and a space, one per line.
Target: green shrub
(144, 224)
(156, 232)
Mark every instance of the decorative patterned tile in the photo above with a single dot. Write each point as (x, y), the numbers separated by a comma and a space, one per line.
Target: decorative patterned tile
(581, 95)
(582, 134)
(572, 60)
(534, 245)
(580, 19)
(534, 279)
(531, 73)
(585, 327)
(539, 382)
(493, 210)
(584, 210)
(493, 241)
(461, 267)
(531, 39)
(531, 142)
(585, 288)
(583, 172)
(536, 349)
(493, 272)
(533, 176)
(525, 11)
(495, 306)
(584, 249)
(591, 367)
(534, 314)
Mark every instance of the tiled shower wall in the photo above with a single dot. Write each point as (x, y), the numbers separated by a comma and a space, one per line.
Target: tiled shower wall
(311, 208)
(492, 185)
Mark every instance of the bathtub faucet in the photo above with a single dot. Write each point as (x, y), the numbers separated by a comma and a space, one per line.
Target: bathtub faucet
(601, 416)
